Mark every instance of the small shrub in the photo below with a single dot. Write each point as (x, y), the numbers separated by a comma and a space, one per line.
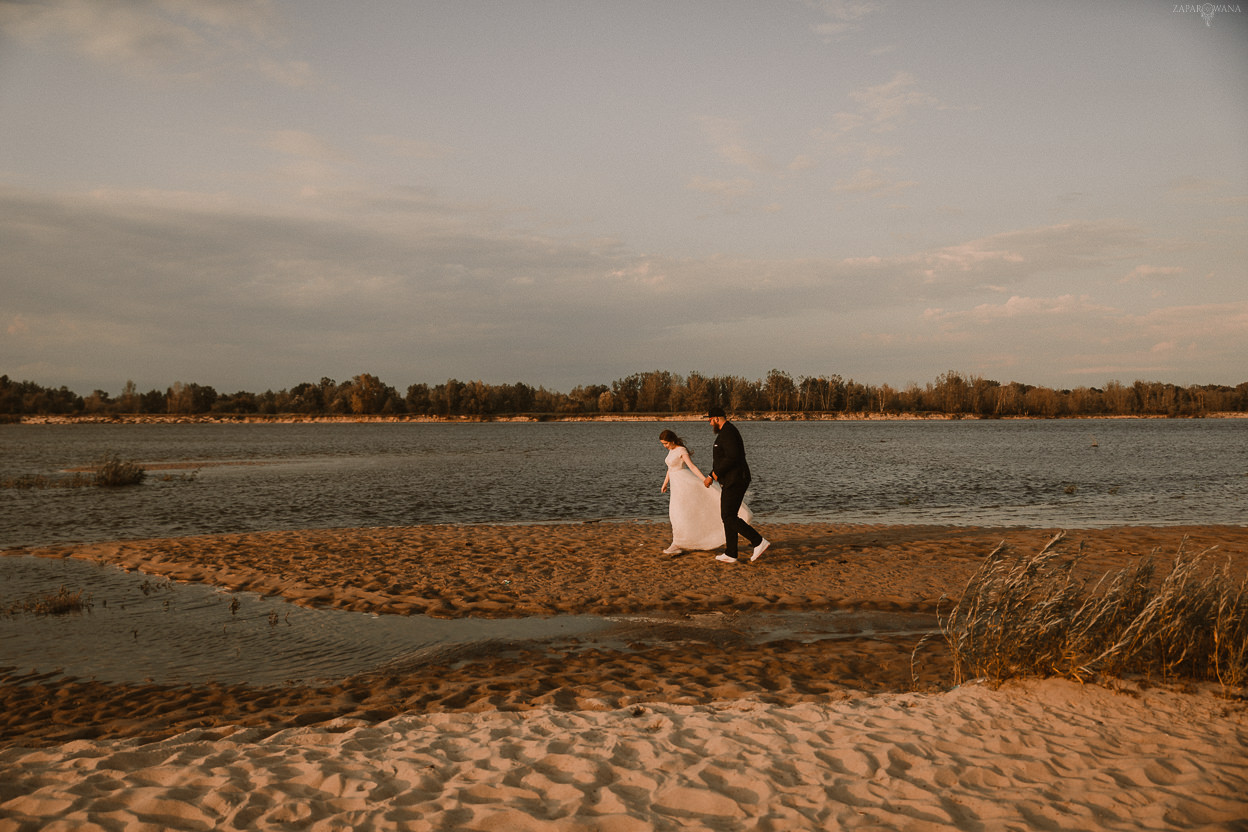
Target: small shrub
(112, 472)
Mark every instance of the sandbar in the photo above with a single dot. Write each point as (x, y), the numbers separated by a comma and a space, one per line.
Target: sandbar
(855, 734)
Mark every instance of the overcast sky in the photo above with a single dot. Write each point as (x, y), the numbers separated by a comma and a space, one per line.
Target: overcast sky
(250, 195)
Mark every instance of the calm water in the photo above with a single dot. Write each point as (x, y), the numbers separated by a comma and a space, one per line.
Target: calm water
(139, 629)
(254, 477)
(263, 477)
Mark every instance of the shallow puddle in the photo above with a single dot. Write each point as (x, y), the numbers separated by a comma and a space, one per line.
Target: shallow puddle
(138, 628)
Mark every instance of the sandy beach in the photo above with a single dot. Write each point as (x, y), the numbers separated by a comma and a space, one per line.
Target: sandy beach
(709, 734)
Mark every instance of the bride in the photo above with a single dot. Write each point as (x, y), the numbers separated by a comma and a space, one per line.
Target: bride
(694, 508)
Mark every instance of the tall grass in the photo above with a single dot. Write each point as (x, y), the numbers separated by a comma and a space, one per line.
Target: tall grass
(1029, 615)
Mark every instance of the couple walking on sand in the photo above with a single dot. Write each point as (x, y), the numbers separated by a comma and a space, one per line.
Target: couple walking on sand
(709, 511)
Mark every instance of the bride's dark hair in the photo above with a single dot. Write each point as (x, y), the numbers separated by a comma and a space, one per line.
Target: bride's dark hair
(668, 436)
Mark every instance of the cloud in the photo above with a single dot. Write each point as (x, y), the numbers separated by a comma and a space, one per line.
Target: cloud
(728, 191)
(290, 73)
(1146, 272)
(161, 39)
(134, 34)
(398, 283)
(1198, 322)
(18, 326)
(887, 106)
(159, 286)
(1021, 307)
(402, 270)
(1080, 337)
(881, 108)
(308, 163)
(872, 183)
(725, 135)
(840, 16)
(1203, 343)
(1192, 185)
(302, 144)
(408, 240)
(408, 148)
(1004, 259)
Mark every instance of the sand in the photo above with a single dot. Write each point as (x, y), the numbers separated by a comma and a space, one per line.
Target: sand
(855, 734)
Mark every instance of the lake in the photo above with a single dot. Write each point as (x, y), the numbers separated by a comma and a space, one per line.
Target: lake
(217, 478)
(220, 478)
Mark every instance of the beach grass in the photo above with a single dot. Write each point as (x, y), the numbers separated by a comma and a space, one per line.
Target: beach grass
(1031, 616)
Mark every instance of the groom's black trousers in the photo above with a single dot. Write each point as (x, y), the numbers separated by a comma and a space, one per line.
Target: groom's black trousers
(730, 500)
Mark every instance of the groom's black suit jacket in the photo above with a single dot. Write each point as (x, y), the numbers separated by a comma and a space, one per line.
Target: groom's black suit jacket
(728, 458)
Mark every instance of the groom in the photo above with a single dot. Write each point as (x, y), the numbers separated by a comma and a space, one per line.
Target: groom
(728, 466)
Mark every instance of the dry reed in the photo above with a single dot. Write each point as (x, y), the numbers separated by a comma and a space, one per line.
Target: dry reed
(1031, 616)
(112, 472)
(61, 603)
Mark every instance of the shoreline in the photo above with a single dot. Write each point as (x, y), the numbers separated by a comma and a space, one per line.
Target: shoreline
(861, 732)
(758, 416)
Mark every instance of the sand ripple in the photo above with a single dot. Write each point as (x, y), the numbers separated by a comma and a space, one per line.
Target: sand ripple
(711, 736)
(1044, 755)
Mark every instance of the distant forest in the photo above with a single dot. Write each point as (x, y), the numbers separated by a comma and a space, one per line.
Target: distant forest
(658, 392)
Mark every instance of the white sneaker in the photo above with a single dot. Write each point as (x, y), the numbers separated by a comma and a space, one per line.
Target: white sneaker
(759, 549)
(672, 550)
(725, 559)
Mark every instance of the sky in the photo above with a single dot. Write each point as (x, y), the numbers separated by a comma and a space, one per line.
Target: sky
(251, 195)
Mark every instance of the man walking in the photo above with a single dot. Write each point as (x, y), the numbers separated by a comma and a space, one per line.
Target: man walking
(729, 469)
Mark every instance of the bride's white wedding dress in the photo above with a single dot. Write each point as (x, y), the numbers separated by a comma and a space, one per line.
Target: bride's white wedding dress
(694, 508)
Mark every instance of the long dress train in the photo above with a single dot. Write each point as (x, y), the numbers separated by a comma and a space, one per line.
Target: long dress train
(694, 508)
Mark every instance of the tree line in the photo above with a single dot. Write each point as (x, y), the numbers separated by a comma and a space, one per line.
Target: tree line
(657, 392)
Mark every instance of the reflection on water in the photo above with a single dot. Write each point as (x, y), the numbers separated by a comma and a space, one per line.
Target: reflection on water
(148, 629)
(259, 477)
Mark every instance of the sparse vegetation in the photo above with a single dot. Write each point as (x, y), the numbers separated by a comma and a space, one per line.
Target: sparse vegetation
(1031, 616)
(27, 481)
(187, 476)
(151, 586)
(113, 472)
(109, 472)
(62, 603)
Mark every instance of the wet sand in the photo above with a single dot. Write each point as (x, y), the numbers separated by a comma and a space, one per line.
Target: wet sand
(859, 733)
(500, 570)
